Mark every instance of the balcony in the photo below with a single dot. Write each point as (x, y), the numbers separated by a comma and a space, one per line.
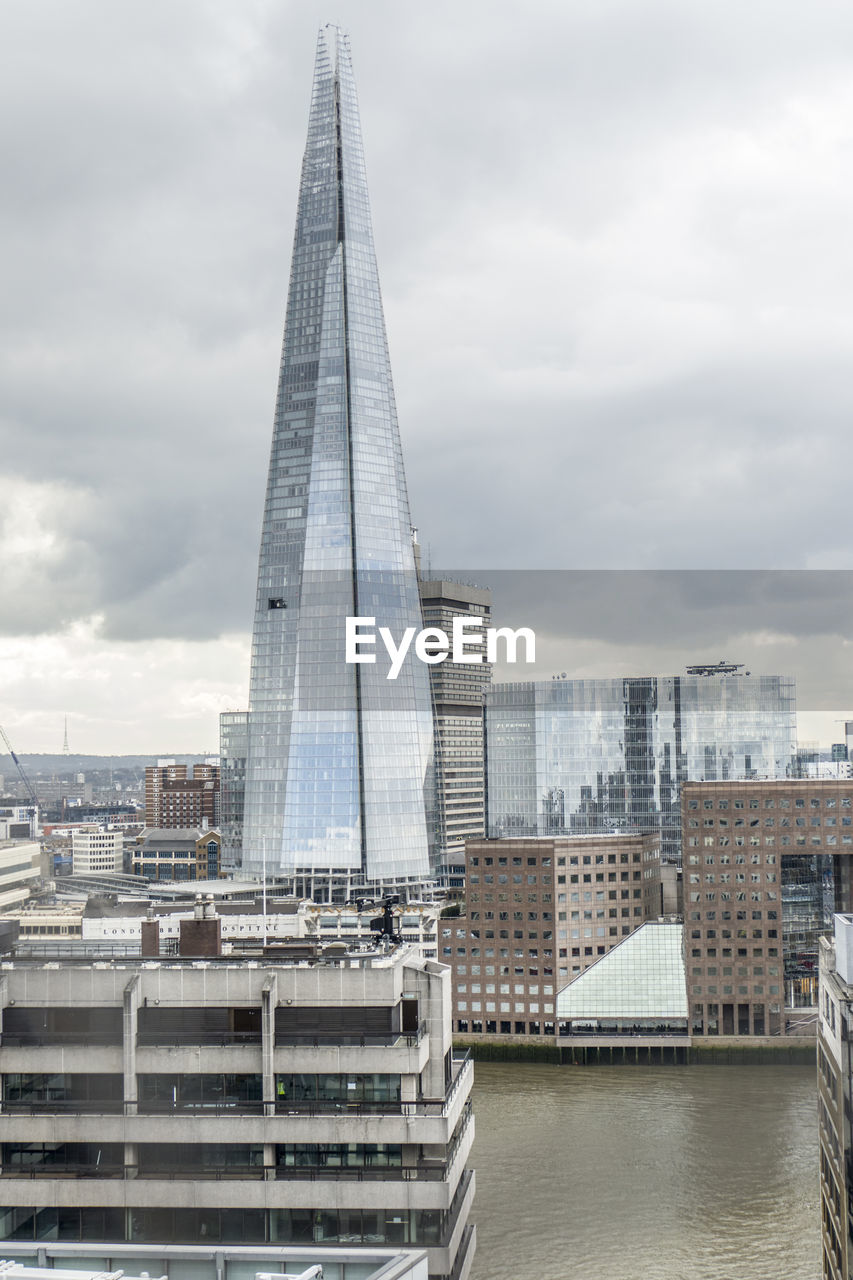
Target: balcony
(224, 1107)
(63, 1171)
(272, 1120)
(64, 1107)
(51, 1039)
(192, 1039)
(343, 1039)
(423, 1171)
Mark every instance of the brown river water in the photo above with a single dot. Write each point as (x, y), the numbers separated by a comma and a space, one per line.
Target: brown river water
(658, 1173)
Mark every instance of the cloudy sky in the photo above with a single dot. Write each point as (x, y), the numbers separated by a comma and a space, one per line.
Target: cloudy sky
(615, 248)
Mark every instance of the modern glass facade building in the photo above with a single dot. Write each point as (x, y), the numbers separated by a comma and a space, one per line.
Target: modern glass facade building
(233, 747)
(573, 756)
(457, 693)
(339, 756)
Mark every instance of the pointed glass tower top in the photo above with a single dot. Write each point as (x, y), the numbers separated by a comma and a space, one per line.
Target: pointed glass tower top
(339, 757)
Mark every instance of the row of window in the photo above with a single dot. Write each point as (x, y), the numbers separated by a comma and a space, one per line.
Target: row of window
(744, 989)
(769, 842)
(507, 1028)
(727, 970)
(771, 823)
(174, 1092)
(519, 989)
(533, 935)
(774, 802)
(226, 1226)
(727, 933)
(189, 1158)
(520, 1006)
(574, 860)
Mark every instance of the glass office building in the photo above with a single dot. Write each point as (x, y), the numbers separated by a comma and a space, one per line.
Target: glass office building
(573, 756)
(233, 747)
(339, 756)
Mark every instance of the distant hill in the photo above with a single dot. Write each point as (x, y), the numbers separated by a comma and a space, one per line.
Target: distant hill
(74, 763)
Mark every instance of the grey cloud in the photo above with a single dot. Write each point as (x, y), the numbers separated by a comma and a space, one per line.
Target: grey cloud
(613, 623)
(153, 155)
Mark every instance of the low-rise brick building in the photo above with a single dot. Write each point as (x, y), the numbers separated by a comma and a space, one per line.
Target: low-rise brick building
(177, 854)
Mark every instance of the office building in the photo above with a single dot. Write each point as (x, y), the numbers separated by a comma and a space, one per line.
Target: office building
(233, 749)
(19, 820)
(96, 852)
(540, 912)
(177, 854)
(339, 778)
(235, 1102)
(19, 871)
(458, 689)
(835, 1098)
(765, 866)
(180, 796)
(573, 756)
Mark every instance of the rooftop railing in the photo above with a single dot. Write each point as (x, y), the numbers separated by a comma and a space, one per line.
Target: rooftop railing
(178, 1039)
(385, 1040)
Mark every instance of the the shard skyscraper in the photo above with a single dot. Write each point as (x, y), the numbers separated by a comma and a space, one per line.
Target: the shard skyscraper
(338, 774)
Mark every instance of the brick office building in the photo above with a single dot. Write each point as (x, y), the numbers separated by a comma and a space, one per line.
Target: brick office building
(540, 912)
(765, 864)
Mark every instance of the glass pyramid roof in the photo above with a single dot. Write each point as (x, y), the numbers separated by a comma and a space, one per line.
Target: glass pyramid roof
(643, 977)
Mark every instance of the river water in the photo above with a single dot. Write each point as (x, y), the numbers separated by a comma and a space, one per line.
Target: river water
(653, 1173)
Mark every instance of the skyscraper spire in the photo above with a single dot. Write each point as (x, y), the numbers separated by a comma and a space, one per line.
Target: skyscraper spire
(339, 757)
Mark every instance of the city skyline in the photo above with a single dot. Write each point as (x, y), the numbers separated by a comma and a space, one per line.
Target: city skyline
(589, 625)
(697, 323)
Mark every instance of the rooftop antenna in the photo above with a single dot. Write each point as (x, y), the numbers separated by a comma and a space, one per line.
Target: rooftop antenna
(66, 750)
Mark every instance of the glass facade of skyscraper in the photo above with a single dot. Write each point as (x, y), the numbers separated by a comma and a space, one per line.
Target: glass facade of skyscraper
(573, 756)
(339, 757)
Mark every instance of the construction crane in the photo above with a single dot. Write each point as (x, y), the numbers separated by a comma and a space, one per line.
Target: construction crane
(33, 812)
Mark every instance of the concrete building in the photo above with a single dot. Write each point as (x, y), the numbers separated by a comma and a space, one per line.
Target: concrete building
(458, 690)
(540, 912)
(19, 871)
(47, 923)
(19, 820)
(236, 1101)
(177, 854)
(60, 1260)
(95, 851)
(243, 924)
(176, 797)
(835, 1099)
(765, 865)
